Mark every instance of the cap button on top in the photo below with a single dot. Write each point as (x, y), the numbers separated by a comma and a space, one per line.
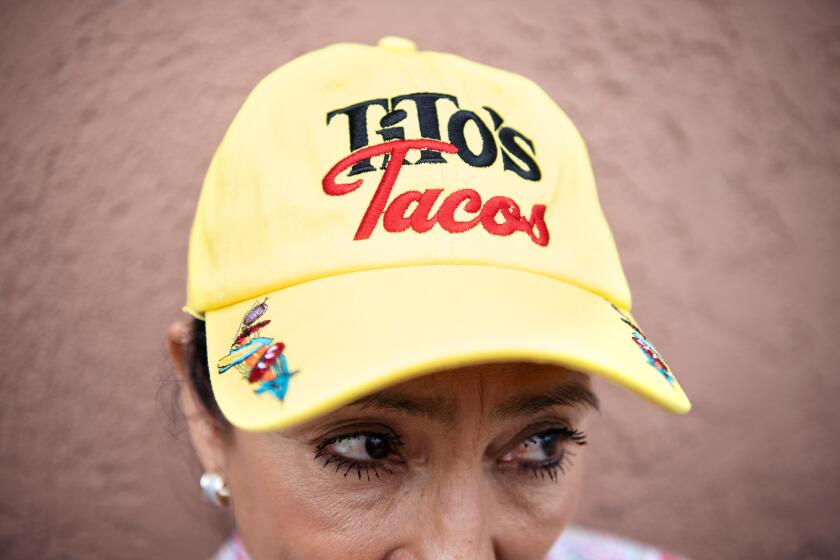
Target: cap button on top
(399, 44)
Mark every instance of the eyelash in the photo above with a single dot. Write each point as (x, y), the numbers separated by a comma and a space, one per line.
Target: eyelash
(326, 457)
(548, 468)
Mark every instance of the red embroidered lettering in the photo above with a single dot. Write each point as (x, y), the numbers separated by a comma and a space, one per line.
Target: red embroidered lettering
(446, 214)
(394, 214)
(421, 222)
(537, 222)
(510, 212)
(394, 219)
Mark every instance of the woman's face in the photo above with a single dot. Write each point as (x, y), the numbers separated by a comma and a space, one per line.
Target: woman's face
(478, 462)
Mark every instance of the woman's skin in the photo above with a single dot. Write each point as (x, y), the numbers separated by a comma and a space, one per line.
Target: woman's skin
(459, 464)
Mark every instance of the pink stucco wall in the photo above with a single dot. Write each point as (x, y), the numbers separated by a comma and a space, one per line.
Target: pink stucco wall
(713, 129)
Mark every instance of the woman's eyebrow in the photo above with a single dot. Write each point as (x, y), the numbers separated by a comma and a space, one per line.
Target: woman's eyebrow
(442, 410)
(567, 394)
(445, 410)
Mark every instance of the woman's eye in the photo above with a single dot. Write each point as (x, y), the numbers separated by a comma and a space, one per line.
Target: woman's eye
(366, 453)
(535, 449)
(363, 447)
(545, 453)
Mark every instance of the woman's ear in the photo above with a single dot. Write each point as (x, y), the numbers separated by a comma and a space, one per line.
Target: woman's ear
(206, 434)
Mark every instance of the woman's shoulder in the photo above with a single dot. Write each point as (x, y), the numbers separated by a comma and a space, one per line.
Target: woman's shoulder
(576, 543)
(579, 543)
(232, 549)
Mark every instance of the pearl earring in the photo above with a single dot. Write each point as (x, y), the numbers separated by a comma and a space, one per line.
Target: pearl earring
(214, 488)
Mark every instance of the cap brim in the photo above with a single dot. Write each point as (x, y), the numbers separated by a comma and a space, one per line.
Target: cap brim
(347, 335)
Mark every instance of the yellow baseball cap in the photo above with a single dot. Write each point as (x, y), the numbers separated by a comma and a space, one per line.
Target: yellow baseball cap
(376, 213)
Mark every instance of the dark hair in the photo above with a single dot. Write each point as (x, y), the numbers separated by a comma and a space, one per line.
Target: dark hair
(200, 374)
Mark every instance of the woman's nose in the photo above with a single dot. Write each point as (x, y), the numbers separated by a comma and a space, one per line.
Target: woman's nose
(459, 510)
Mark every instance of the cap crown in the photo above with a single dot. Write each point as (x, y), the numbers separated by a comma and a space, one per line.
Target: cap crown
(355, 157)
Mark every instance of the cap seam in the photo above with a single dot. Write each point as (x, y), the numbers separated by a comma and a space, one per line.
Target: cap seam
(313, 278)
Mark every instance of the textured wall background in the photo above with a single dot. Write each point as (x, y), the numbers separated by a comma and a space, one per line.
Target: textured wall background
(713, 128)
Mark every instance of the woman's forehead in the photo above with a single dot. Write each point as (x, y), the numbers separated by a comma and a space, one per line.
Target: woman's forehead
(501, 379)
(504, 389)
